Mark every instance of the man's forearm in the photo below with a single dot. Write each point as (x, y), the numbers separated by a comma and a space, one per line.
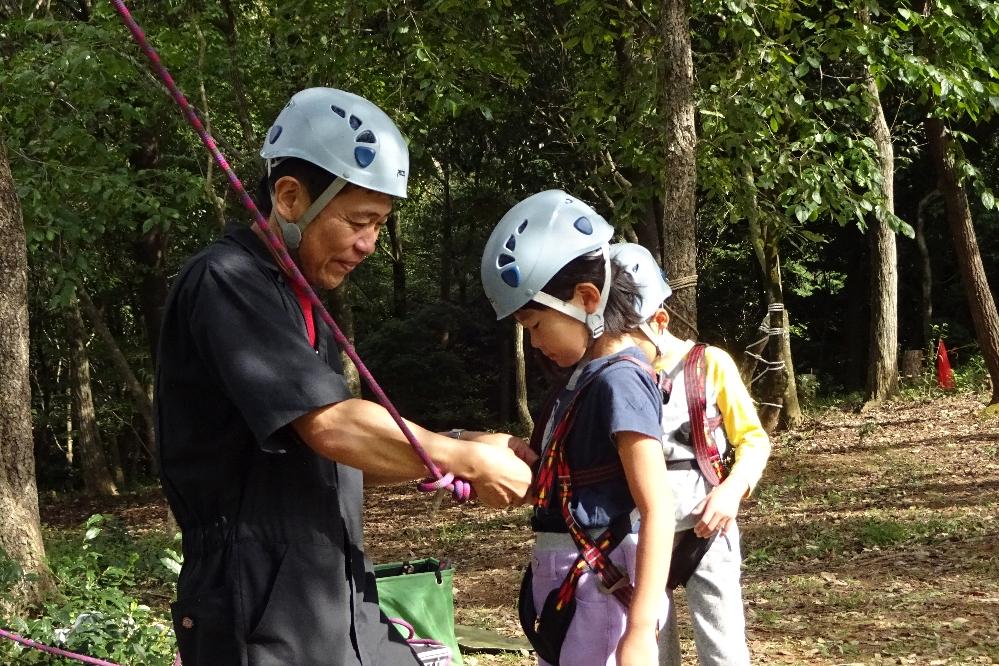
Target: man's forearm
(363, 434)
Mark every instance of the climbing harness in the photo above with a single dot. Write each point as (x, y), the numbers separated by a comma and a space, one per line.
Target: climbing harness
(688, 548)
(547, 631)
(709, 460)
(436, 480)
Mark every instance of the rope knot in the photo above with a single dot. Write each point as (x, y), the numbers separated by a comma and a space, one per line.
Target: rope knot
(461, 489)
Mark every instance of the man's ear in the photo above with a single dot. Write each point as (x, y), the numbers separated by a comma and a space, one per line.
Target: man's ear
(290, 198)
(587, 294)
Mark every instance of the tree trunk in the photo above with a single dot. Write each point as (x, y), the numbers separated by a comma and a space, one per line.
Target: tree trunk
(20, 529)
(230, 30)
(140, 399)
(882, 366)
(150, 252)
(447, 233)
(980, 301)
(779, 392)
(97, 478)
(519, 364)
(505, 384)
(926, 277)
(791, 415)
(218, 203)
(679, 243)
(398, 266)
(338, 303)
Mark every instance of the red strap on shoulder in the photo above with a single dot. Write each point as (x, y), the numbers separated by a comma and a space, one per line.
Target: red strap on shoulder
(705, 449)
(306, 305)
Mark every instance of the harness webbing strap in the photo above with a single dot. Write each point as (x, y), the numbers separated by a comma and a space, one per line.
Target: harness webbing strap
(555, 474)
(437, 479)
(705, 449)
(594, 475)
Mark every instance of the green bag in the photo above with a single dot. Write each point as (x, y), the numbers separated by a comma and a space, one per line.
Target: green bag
(420, 592)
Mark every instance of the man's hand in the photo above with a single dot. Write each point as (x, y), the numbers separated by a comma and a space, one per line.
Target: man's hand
(502, 479)
(719, 508)
(516, 444)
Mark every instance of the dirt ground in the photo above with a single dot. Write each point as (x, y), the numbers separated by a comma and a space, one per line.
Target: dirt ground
(872, 539)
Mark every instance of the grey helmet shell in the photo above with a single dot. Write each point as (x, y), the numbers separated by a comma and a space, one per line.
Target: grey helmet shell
(344, 134)
(653, 288)
(533, 242)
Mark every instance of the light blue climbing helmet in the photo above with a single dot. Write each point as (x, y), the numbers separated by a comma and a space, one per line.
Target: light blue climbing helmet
(344, 134)
(653, 288)
(532, 243)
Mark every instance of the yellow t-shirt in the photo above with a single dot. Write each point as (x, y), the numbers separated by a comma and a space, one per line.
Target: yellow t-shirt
(726, 396)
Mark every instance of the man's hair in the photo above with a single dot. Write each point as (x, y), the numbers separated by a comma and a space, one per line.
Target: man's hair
(619, 314)
(315, 180)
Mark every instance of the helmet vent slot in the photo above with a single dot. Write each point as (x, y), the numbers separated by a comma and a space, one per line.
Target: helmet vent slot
(511, 276)
(338, 111)
(583, 225)
(355, 122)
(367, 136)
(523, 225)
(504, 260)
(511, 243)
(364, 156)
(275, 133)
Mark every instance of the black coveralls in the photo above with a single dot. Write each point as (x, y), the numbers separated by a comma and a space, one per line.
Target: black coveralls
(274, 570)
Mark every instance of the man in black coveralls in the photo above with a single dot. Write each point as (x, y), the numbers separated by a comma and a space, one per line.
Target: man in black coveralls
(263, 450)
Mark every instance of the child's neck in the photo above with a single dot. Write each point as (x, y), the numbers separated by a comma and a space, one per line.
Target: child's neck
(606, 345)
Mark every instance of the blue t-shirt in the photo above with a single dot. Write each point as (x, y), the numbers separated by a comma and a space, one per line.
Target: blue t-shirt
(621, 398)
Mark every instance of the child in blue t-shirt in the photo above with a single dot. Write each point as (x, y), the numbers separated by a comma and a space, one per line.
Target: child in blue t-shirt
(594, 593)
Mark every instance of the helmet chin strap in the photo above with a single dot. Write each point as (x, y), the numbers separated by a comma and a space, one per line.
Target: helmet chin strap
(594, 321)
(292, 231)
(653, 337)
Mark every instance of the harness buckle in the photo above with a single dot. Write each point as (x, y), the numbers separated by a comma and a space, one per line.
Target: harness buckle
(621, 583)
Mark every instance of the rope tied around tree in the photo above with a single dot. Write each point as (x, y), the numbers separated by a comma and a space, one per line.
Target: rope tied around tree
(758, 345)
(683, 282)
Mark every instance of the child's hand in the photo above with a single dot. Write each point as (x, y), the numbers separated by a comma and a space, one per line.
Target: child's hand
(719, 508)
(638, 648)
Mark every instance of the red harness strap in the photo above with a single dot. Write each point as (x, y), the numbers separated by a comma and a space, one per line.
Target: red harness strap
(306, 306)
(554, 473)
(705, 450)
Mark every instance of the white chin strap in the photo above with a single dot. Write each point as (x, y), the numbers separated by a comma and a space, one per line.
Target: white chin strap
(656, 339)
(292, 231)
(594, 321)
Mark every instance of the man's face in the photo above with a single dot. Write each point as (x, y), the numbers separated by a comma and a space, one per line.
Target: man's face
(342, 235)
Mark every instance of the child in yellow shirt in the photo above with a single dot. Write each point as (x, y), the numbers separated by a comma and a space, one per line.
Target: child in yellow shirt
(706, 556)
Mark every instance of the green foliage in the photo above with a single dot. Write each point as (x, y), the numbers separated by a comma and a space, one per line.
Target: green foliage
(113, 589)
(11, 572)
(498, 99)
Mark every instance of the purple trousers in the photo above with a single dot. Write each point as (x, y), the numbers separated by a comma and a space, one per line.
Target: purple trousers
(600, 619)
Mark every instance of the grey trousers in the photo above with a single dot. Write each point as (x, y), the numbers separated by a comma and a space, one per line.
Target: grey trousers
(714, 597)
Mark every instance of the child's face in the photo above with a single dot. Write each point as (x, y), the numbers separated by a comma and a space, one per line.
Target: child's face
(561, 338)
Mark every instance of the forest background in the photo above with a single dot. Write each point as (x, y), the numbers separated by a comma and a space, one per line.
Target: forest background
(837, 158)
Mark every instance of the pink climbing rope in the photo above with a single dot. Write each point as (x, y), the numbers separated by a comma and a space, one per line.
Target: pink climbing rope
(437, 480)
(35, 645)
